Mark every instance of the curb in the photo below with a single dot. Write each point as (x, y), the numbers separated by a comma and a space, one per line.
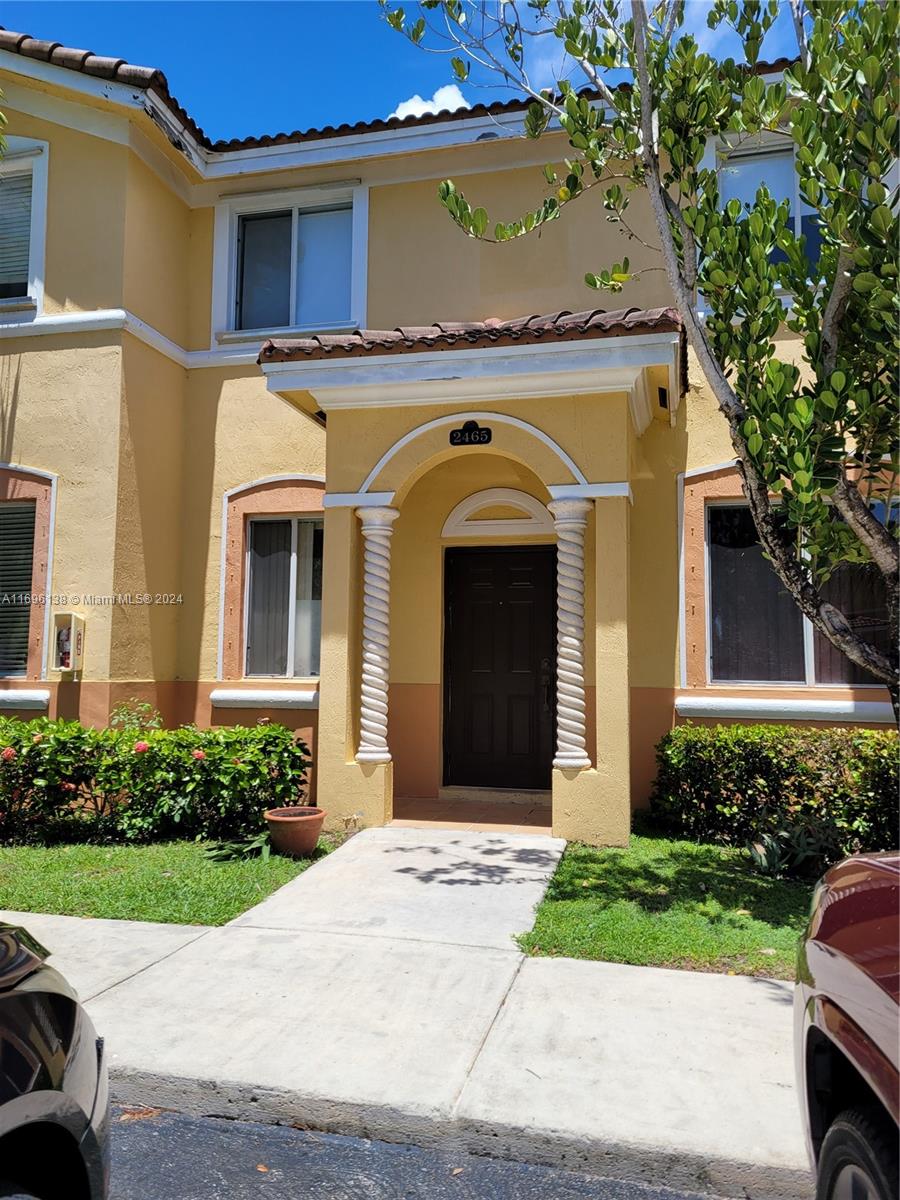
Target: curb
(636, 1163)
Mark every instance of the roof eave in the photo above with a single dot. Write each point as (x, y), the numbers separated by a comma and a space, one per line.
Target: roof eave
(584, 366)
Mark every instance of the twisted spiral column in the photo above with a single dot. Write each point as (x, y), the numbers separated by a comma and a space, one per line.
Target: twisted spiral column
(373, 703)
(570, 520)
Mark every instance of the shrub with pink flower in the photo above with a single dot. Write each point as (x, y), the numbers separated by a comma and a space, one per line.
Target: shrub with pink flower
(63, 781)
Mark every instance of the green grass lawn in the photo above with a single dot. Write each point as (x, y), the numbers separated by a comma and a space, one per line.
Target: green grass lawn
(171, 881)
(666, 903)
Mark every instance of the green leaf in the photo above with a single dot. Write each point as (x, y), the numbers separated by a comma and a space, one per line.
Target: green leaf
(460, 69)
(865, 282)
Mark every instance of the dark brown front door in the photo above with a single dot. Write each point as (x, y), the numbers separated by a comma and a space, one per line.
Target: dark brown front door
(499, 666)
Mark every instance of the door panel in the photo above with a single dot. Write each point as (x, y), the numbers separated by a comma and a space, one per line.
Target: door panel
(499, 666)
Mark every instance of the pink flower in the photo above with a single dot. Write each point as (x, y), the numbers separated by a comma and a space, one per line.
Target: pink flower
(38, 737)
(198, 754)
(236, 761)
(69, 787)
(7, 754)
(141, 747)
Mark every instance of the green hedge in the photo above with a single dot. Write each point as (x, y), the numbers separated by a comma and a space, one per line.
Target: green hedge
(60, 780)
(798, 798)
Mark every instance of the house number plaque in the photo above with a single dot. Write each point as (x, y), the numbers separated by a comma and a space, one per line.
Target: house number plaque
(471, 434)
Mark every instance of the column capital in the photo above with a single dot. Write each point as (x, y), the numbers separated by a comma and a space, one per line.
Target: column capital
(377, 517)
(570, 509)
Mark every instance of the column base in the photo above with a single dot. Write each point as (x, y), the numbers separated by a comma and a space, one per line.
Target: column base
(573, 763)
(373, 756)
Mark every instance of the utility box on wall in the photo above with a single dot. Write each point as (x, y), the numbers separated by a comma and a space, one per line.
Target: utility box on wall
(68, 641)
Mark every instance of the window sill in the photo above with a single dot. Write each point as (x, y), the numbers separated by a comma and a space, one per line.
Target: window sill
(866, 712)
(23, 308)
(227, 337)
(29, 698)
(268, 697)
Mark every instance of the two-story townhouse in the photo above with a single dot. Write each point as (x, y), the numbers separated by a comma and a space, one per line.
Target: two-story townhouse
(516, 557)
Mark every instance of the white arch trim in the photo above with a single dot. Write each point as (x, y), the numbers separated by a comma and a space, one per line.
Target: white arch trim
(536, 517)
(459, 418)
(226, 496)
(53, 480)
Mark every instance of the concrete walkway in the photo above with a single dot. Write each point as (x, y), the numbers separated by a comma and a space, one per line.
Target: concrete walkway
(381, 994)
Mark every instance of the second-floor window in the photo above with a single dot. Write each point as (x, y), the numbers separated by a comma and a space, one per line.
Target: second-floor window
(284, 596)
(15, 232)
(293, 268)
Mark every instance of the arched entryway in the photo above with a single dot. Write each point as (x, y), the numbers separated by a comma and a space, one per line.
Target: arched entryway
(473, 646)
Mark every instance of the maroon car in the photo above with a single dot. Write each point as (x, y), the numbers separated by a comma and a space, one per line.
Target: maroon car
(846, 1029)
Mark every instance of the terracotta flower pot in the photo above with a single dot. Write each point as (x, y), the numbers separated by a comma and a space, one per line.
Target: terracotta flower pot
(295, 830)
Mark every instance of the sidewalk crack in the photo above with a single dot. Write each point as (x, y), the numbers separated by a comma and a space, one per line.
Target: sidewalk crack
(146, 967)
(487, 1033)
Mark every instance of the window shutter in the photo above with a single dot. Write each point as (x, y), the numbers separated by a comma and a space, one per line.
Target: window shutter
(15, 234)
(16, 563)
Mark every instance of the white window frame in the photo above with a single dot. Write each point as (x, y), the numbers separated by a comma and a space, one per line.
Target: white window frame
(228, 212)
(296, 521)
(809, 645)
(29, 156)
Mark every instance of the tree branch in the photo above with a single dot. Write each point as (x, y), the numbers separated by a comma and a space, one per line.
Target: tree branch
(800, 31)
(841, 290)
(875, 536)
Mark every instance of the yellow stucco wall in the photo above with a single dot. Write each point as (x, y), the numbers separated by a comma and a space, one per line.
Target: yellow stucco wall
(158, 254)
(87, 180)
(149, 506)
(442, 274)
(235, 432)
(60, 412)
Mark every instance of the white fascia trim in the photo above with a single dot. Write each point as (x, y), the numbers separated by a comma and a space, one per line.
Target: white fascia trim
(358, 499)
(591, 491)
(28, 325)
(355, 147)
(24, 698)
(264, 697)
(627, 354)
(223, 545)
(112, 92)
(864, 712)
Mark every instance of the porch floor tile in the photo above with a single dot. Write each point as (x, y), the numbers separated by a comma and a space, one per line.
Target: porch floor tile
(473, 815)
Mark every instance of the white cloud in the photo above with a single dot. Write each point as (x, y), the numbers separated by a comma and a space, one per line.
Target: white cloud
(449, 96)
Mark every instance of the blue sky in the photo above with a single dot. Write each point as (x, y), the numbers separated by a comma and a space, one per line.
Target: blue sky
(249, 68)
